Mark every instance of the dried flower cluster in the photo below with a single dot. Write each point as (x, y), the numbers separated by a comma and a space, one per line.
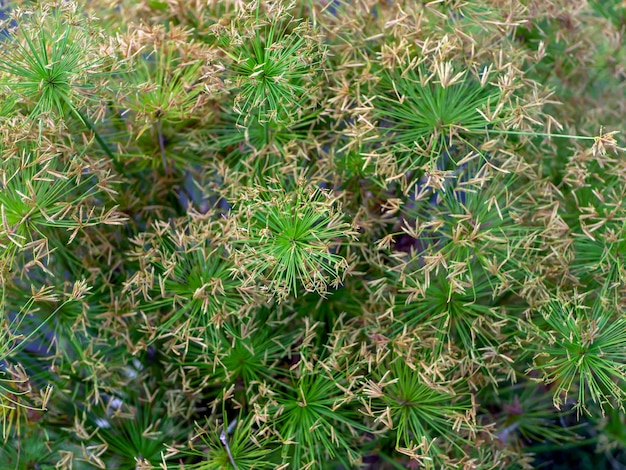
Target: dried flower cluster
(312, 234)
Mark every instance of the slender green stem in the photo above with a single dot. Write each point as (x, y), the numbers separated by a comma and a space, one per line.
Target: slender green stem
(87, 122)
(536, 134)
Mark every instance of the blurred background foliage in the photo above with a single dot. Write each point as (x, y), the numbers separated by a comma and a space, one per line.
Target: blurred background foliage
(312, 234)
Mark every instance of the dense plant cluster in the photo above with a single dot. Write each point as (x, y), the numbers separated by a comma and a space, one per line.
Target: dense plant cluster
(247, 234)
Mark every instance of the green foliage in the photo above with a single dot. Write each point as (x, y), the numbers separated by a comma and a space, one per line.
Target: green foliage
(257, 146)
(313, 418)
(524, 415)
(312, 234)
(272, 67)
(581, 347)
(134, 433)
(465, 319)
(425, 416)
(244, 352)
(166, 90)
(39, 193)
(233, 445)
(36, 451)
(166, 87)
(426, 111)
(289, 240)
(191, 275)
(52, 60)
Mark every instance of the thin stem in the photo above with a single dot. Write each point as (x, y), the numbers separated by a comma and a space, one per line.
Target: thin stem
(34, 331)
(537, 134)
(224, 441)
(99, 139)
(161, 143)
